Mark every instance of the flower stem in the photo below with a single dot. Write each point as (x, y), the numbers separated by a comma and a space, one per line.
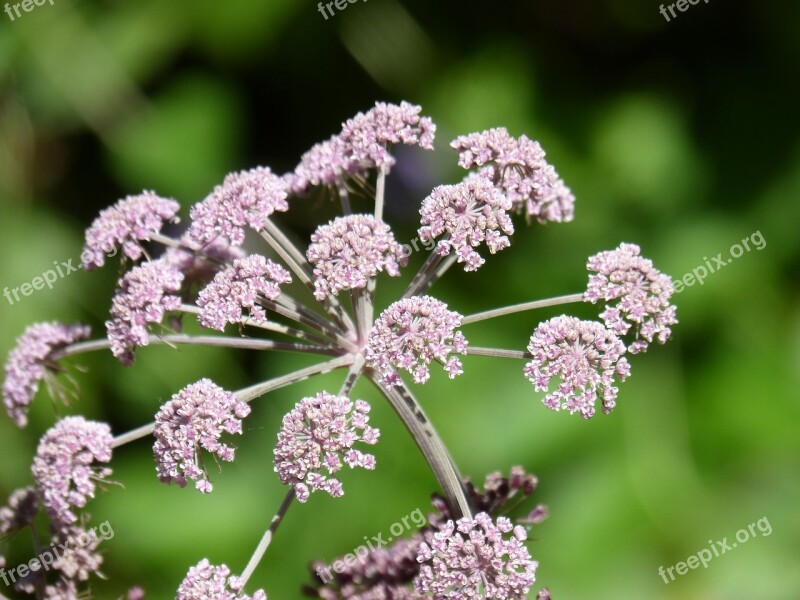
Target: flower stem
(428, 267)
(498, 352)
(508, 310)
(267, 539)
(344, 198)
(380, 193)
(352, 375)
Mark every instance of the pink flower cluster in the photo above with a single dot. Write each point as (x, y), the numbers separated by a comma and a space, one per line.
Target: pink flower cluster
(205, 581)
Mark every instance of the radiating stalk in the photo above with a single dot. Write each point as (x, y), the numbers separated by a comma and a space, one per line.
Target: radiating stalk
(261, 549)
(498, 352)
(508, 310)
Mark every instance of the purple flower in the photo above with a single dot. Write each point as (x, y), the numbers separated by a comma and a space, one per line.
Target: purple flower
(79, 559)
(22, 507)
(544, 594)
(636, 295)
(209, 582)
(143, 297)
(130, 221)
(410, 334)
(476, 558)
(31, 361)
(316, 437)
(467, 214)
(63, 466)
(238, 287)
(585, 356)
(324, 164)
(350, 250)
(518, 167)
(199, 264)
(195, 418)
(245, 199)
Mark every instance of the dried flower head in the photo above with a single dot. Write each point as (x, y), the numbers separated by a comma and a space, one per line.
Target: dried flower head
(195, 418)
(587, 358)
(238, 287)
(64, 469)
(31, 361)
(245, 199)
(316, 436)
(349, 251)
(412, 333)
(467, 214)
(209, 582)
(636, 295)
(518, 167)
(476, 558)
(20, 511)
(144, 295)
(131, 220)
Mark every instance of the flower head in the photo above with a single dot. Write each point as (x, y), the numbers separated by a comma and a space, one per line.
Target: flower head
(130, 221)
(518, 167)
(316, 437)
(350, 250)
(195, 418)
(476, 558)
(81, 558)
(325, 163)
(199, 263)
(20, 511)
(587, 358)
(238, 287)
(467, 214)
(206, 581)
(63, 467)
(144, 295)
(245, 199)
(31, 361)
(410, 334)
(636, 295)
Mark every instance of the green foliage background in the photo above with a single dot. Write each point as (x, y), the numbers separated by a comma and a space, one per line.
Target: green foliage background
(680, 136)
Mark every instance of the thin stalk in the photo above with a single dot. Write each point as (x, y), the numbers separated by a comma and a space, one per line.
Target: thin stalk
(508, 310)
(498, 352)
(344, 198)
(352, 375)
(437, 274)
(428, 267)
(261, 549)
(380, 193)
(297, 312)
(167, 241)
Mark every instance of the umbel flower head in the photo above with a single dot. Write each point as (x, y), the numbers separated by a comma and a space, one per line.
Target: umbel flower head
(467, 214)
(349, 251)
(324, 164)
(31, 361)
(636, 294)
(412, 333)
(316, 437)
(201, 263)
(131, 220)
(19, 512)
(518, 167)
(194, 419)
(144, 295)
(239, 287)
(587, 358)
(209, 582)
(476, 558)
(64, 466)
(245, 199)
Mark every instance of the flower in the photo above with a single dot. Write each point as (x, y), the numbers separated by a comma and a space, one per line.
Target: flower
(518, 167)
(467, 214)
(196, 417)
(475, 558)
(205, 581)
(245, 199)
(131, 220)
(316, 436)
(636, 295)
(410, 334)
(142, 298)
(198, 263)
(63, 466)
(238, 287)
(20, 511)
(324, 164)
(31, 361)
(585, 355)
(80, 558)
(350, 250)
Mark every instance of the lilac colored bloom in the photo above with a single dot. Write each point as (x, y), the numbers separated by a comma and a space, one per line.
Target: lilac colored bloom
(544, 594)
(31, 361)
(518, 167)
(80, 559)
(585, 356)
(349, 251)
(22, 507)
(63, 466)
(143, 297)
(195, 418)
(476, 558)
(130, 221)
(238, 287)
(410, 334)
(245, 199)
(636, 295)
(199, 264)
(467, 214)
(324, 164)
(316, 436)
(209, 582)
